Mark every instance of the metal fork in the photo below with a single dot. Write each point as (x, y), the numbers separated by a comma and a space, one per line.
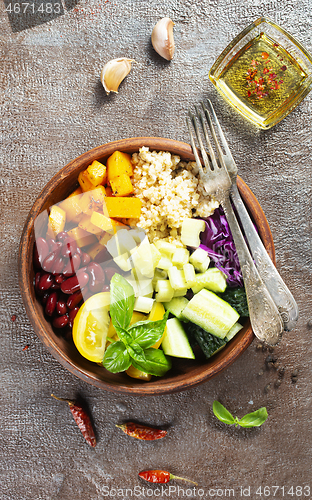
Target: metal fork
(281, 295)
(265, 319)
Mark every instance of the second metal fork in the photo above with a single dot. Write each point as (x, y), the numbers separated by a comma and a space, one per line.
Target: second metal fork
(265, 319)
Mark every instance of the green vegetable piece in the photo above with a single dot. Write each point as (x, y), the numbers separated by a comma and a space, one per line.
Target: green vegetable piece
(236, 297)
(116, 358)
(136, 352)
(147, 333)
(254, 419)
(156, 362)
(209, 344)
(222, 413)
(122, 301)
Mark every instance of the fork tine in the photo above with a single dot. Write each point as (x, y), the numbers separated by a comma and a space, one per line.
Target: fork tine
(217, 124)
(211, 151)
(200, 142)
(198, 162)
(215, 139)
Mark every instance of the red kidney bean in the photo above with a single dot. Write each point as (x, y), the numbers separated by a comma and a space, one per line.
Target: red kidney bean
(58, 265)
(74, 283)
(106, 288)
(51, 304)
(61, 236)
(54, 245)
(79, 252)
(69, 247)
(74, 299)
(97, 277)
(41, 250)
(48, 262)
(59, 278)
(45, 282)
(60, 321)
(37, 280)
(85, 258)
(109, 273)
(61, 307)
(72, 265)
(72, 315)
(103, 256)
(44, 298)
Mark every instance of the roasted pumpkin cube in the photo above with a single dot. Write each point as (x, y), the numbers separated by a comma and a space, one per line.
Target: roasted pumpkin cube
(121, 186)
(122, 207)
(82, 237)
(87, 225)
(84, 181)
(57, 219)
(101, 221)
(96, 173)
(118, 163)
(109, 191)
(72, 206)
(95, 252)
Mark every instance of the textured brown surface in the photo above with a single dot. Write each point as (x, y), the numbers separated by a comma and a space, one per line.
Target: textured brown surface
(53, 108)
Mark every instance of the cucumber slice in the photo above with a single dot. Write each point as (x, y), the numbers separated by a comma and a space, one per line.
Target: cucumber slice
(189, 275)
(209, 344)
(180, 257)
(143, 304)
(191, 228)
(210, 312)
(176, 306)
(213, 279)
(233, 331)
(176, 278)
(175, 342)
(164, 291)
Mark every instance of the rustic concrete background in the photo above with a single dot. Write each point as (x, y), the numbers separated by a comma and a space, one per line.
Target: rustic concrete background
(53, 108)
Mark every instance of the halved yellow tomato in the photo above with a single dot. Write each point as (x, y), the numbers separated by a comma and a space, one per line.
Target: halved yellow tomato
(91, 326)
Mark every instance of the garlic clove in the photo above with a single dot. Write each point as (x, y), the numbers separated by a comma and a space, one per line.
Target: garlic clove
(162, 38)
(114, 73)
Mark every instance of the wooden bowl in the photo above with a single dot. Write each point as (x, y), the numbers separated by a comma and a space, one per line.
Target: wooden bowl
(185, 373)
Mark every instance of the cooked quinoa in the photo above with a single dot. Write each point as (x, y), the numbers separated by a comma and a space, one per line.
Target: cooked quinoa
(170, 191)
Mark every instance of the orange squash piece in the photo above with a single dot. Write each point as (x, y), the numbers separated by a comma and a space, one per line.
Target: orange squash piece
(84, 181)
(121, 186)
(118, 163)
(122, 207)
(96, 173)
(82, 237)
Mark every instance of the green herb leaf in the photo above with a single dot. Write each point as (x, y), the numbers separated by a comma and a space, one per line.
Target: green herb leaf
(156, 362)
(136, 352)
(254, 419)
(222, 413)
(116, 358)
(147, 333)
(122, 301)
(124, 335)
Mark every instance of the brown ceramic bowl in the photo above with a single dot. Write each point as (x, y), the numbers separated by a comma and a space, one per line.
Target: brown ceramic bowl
(185, 373)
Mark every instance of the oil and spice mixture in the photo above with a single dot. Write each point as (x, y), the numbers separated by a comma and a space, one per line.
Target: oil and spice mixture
(262, 75)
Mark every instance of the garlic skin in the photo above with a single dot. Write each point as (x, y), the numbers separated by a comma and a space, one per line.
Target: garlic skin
(114, 72)
(162, 38)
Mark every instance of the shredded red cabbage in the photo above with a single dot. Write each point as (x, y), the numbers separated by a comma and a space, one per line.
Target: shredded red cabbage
(217, 240)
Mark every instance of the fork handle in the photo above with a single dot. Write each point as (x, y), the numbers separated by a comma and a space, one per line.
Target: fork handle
(265, 319)
(279, 292)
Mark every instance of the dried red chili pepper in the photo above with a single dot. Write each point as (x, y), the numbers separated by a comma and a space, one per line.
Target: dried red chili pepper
(142, 431)
(82, 419)
(160, 476)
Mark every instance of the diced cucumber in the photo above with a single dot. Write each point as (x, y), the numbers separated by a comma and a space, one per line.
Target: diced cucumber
(210, 312)
(189, 274)
(156, 255)
(143, 260)
(164, 291)
(165, 248)
(180, 257)
(176, 278)
(191, 228)
(213, 279)
(175, 342)
(144, 285)
(180, 293)
(209, 344)
(176, 306)
(164, 263)
(200, 259)
(233, 331)
(126, 241)
(143, 304)
(123, 261)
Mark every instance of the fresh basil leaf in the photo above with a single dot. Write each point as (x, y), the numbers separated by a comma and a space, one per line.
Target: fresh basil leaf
(122, 301)
(156, 362)
(136, 352)
(124, 335)
(254, 419)
(147, 333)
(116, 358)
(222, 413)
